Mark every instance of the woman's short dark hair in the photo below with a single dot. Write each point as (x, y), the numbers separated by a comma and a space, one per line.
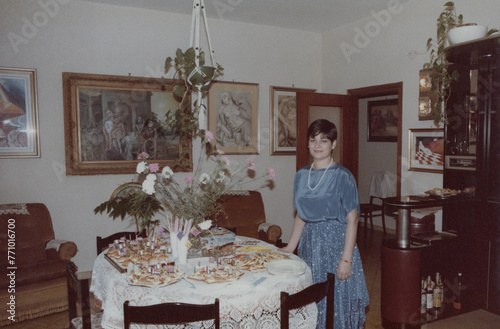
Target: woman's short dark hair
(324, 126)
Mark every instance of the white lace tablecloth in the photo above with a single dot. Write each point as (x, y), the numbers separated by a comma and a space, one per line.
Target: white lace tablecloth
(242, 304)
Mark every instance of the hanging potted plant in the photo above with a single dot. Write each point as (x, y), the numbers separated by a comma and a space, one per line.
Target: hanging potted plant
(449, 23)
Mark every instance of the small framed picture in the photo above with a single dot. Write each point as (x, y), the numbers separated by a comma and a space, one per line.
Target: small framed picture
(383, 120)
(283, 120)
(233, 116)
(19, 132)
(426, 98)
(426, 150)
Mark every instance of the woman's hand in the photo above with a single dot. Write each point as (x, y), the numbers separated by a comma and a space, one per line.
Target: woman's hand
(286, 249)
(343, 270)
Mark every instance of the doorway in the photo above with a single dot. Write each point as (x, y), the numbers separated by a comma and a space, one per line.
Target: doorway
(392, 90)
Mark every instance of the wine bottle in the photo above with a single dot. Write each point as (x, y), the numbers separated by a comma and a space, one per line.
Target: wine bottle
(429, 294)
(457, 302)
(423, 296)
(438, 292)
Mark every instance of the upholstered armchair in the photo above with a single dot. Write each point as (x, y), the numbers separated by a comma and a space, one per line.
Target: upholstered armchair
(244, 212)
(36, 264)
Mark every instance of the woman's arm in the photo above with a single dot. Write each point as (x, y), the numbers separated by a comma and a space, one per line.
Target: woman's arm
(344, 266)
(298, 227)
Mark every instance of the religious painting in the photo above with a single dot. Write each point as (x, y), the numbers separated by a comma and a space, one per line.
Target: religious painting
(283, 120)
(19, 134)
(110, 120)
(426, 150)
(233, 109)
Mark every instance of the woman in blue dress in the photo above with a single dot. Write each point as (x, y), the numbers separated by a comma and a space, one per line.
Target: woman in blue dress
(325, 227)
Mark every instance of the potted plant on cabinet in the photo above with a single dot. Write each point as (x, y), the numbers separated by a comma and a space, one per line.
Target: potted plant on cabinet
(448, 22)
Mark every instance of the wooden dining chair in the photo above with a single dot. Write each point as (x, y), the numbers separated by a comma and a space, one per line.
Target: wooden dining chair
(171, 313)
(376, 207)
(314, 293)
(103, 243)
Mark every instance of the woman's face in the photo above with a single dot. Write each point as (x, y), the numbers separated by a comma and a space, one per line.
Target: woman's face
(321, 147)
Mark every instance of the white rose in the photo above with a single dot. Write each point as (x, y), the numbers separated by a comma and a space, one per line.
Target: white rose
(148, 186)
(167, 172)
(141, 167)
(204, 178)
(205, 225)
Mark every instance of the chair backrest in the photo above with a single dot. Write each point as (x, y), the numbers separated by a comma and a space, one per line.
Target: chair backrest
(314, 293)
(78, 290)
(171, 313)
(243, 213)
(103, 243)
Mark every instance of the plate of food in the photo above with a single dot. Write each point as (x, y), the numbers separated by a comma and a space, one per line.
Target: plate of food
(286, 268)
(258, 262)
(443, 193)
(144, 276)
(213, 274)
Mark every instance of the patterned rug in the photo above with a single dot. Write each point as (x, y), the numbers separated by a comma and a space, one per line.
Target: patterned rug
(479, 319)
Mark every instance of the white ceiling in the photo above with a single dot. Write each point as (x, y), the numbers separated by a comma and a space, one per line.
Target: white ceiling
(306, 15)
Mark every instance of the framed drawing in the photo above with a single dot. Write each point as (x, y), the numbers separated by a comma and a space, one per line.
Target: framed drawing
(426, 150)
(383, 120)
(19, 133)
(109, 120)
(233, 116)
(283, 122)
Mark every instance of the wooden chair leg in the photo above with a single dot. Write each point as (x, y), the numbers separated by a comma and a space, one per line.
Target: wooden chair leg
(371, 220)
(383, 220)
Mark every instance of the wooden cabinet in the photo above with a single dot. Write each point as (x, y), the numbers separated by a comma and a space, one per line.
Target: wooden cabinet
(472, 160)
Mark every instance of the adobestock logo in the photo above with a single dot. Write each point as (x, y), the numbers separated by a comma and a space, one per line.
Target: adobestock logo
(30, 28)
(362, 38)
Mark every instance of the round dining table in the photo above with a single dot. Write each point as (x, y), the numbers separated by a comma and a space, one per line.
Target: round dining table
(253, 301)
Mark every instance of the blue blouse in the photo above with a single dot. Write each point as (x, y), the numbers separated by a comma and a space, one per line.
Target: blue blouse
(334, 198)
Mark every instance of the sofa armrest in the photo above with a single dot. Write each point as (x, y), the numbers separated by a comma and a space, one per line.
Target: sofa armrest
(61, 249)
(270, 233)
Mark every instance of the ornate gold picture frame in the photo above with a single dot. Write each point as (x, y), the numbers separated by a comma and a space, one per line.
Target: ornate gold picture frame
(109, 120)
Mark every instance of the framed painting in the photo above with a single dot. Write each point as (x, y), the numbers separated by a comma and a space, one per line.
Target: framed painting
(283, 120)
(19, 132)
(109, 120)
(383, 120)
(426, 150)
(233, 116)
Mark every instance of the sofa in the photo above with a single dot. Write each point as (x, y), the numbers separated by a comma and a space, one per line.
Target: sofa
(244, 213)
(34, 285)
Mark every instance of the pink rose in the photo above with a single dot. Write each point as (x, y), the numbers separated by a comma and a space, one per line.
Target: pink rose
(209, 136)
(189, 179)
(143, 156)
(251, 164)
(154, 167)
(271, 173)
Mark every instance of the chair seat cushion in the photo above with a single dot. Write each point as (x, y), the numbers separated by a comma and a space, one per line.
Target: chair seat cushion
(34, 273)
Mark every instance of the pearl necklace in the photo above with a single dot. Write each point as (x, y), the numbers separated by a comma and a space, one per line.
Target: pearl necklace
(309, 177)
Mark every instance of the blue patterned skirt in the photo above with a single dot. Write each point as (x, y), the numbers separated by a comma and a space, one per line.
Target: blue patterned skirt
(321, 247)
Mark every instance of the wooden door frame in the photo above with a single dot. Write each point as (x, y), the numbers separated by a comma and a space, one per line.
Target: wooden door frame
(377, 91)
(304, 101)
